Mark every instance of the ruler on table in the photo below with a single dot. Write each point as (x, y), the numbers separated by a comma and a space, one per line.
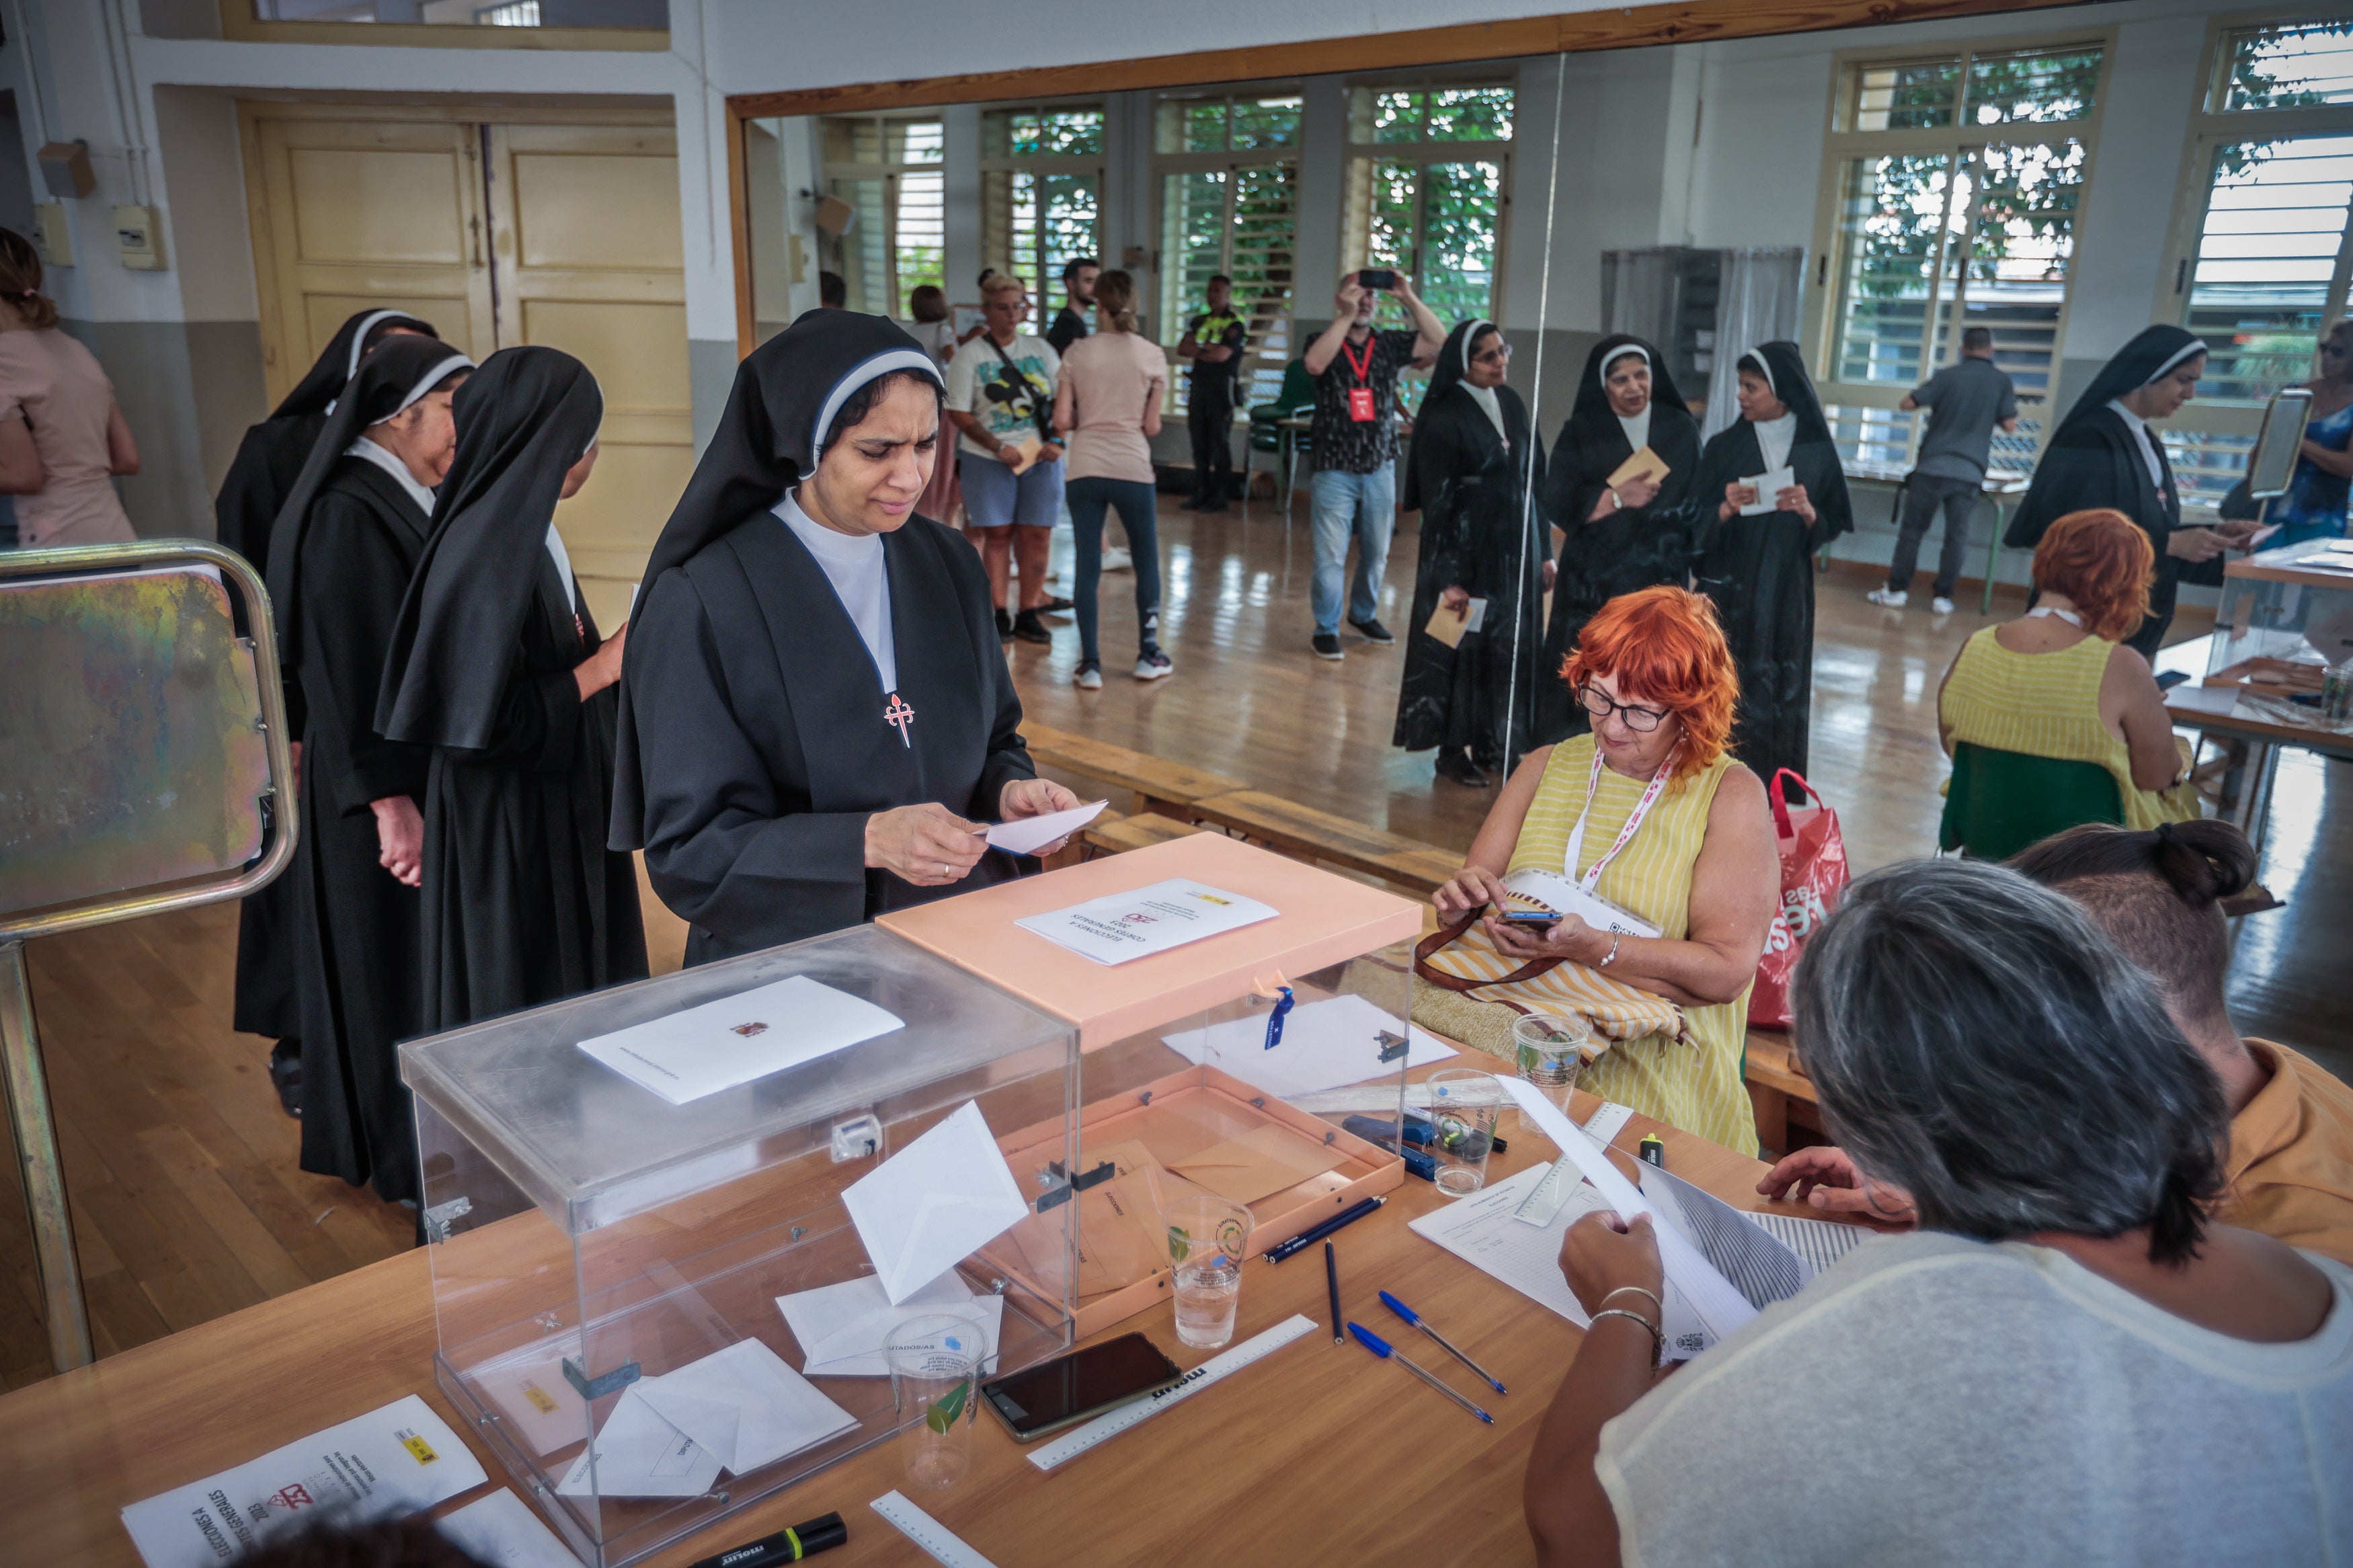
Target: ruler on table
(1544, 1200)
(928, 1534)
(1102, 1429)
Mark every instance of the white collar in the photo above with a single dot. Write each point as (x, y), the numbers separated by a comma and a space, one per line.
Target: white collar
(1636, 426)
(1485, 399)
(1774, 440)
(2144, 437)
(368, 451)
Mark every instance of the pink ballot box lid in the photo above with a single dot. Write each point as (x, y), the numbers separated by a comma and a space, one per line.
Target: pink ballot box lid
(1323, 919)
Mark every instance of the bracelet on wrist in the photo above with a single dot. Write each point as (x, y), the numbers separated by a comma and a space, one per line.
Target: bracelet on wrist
(1611, 956)
(1658, 1341)
(1639, 1290)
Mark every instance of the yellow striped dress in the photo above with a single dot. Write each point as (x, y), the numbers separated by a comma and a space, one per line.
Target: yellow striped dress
(2048, 705)
(1695, 1086)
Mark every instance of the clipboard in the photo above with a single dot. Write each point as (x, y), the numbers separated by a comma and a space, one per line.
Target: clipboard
(1644, 464)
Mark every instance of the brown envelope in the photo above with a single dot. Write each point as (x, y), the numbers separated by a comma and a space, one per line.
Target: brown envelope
(1262, 1161)
(1448, 627)
(1643, 465)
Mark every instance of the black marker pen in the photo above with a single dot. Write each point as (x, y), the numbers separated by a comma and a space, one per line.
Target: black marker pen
(789, 1546)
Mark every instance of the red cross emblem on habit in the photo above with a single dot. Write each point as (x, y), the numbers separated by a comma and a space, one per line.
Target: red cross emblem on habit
(901, 715)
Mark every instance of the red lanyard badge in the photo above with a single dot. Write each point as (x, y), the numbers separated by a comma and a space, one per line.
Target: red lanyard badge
(1360, 397)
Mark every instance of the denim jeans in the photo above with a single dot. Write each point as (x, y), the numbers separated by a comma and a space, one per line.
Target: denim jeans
(1088, 498)
(1925, 495)
(1364, 505)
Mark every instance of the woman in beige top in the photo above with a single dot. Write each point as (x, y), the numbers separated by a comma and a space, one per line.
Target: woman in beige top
(1108, 398)
(62, 435)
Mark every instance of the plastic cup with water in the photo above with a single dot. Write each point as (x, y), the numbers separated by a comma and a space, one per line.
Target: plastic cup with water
(1552, 1048)
(935, 1363)
(1207, 1238)
(1464, 1108)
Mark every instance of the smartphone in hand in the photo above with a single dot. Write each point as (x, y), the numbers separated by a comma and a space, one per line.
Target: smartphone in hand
(1380, 279)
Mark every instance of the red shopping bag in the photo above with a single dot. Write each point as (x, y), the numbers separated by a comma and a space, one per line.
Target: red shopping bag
(1813, 875)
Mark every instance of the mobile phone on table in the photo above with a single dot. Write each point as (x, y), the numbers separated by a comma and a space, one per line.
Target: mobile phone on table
(1071, 1388)
(1377, 278)
(2170, 679)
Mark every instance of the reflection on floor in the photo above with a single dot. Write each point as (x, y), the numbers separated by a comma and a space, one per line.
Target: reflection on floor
(182, 1169)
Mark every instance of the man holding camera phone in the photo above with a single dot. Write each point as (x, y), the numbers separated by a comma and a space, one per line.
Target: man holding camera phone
(1353, 443)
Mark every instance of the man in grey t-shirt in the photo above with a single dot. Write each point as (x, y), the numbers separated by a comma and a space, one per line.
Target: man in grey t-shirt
(1965, 401)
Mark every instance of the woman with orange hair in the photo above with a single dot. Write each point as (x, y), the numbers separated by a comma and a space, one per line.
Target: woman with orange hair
(2057, 681)
(1669, 847)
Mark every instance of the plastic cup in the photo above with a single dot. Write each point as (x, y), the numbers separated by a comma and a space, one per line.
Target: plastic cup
(1463, 1107)
(1206, 1239)
(935, 1365)
(1552, 1048)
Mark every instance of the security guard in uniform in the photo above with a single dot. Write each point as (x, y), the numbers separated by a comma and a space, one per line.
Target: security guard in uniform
(1214, 344)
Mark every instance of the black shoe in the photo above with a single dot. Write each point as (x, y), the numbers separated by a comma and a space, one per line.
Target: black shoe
(1454, 766)
(1208, 506)
(1027, 627)
(1192, 503)
(1373, 631)
(1004, 627)
(286, 1075)
(1056, 606)
(1327, 645)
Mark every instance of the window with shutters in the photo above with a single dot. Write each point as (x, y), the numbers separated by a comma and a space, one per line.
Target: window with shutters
(1228, 170)
(1428, 166)
(2263, 253)
(1955, 182)
(890, 171)
(1042, 171)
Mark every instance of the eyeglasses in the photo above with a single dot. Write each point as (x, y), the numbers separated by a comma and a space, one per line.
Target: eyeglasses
(2335, 351)
(1641, 721)
(1495, 356)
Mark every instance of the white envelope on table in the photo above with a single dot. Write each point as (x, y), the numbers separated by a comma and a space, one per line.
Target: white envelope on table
(841, 1327)
(934, 1202)
(638, 1454)
(745, 1406)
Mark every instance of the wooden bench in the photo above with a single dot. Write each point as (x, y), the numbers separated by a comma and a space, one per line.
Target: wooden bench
(1112, 834)
(1783, 1096)
(1312, 834)
(1167, 787)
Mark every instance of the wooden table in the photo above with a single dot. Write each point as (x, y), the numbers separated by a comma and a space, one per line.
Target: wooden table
(2256, 738)
(1318, 1455)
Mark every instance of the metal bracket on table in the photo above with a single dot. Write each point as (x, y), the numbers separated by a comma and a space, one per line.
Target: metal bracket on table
(1063, 1186)
(594, 1388)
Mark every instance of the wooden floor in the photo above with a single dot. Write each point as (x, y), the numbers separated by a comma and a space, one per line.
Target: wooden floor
(182, 1169)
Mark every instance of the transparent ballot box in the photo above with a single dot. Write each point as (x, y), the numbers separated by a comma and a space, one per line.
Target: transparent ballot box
(652, 1264)
(2286, 617)
(1186, 1087)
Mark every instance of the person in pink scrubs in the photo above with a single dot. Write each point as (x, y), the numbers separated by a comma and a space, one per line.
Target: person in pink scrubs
(62, 435)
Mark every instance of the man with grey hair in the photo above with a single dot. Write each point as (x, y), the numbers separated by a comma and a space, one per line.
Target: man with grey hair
(2068, 1362)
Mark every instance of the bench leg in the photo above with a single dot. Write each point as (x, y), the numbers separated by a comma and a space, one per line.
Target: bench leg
(1772, 1119)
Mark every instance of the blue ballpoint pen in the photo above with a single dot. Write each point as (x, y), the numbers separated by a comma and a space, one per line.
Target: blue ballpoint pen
(1411, 1316)
(1380, 1347)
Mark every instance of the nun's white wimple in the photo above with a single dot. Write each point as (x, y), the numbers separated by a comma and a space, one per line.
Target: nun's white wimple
(1472, 337)
(1620, 352)
(1764, 368)
(359, 338)
(882, 364)
(433, 378)
(2194, 346)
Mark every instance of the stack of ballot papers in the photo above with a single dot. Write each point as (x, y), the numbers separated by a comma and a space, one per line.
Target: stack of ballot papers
(1325, 1045)
(841, 1327)
(738, 1038)
(734, 1410)
(398, 1459)
(1769, 1257)
(933, 1203)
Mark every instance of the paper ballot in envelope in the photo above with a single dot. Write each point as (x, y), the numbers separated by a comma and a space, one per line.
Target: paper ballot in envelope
(934, 1202)
(841, 1327)
(744, 1407)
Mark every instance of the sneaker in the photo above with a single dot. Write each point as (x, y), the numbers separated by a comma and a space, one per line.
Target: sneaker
(1117, 559)
(1941, 606)
(1373, 631)
(1154, 664)
(1004, 627)
(1089, 677)
(1888, 598)
(1327, 645)
(1027, 627)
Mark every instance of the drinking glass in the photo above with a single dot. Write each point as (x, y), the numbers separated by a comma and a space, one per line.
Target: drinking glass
(1207, 1238)
(1553, 1048)
(1464, 1108)
(935, 1365)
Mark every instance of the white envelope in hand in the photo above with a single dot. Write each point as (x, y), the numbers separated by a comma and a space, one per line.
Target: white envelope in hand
(841, 1327)
(934, 1202)
(745, 1406)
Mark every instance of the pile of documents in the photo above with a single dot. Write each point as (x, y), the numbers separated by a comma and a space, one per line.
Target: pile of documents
(736, 1410)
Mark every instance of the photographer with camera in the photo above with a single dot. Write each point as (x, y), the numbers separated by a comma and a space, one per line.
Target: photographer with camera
(1001, 397)
(1353, 443)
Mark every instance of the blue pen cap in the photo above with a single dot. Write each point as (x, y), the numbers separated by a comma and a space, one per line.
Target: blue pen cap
(1370, 1340)
(1400, 1308)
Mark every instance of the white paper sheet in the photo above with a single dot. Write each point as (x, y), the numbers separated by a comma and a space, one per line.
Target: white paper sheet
(501, 1532)
(2192, 697)
(1769, 485)
(1818, 1242)
(638, 1454)
(737, 1038)
(1480, 1231)
(534, 1398)
(934, 1202)
(1762, 1270)
(745, 1406)
(1325, 1044)
(1720, 1308)
(1027, 834)
(1476, 617)
(397, 1459)
(841, 1327)
(1146, 921)
(1564, 896)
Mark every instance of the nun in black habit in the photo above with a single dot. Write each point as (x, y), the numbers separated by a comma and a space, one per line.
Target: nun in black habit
(497, 665)
(1759, 569)
(341, 558)
(1472, 474)
(259, 476)
(816, 714)
(1614, 539)
(2105, 454)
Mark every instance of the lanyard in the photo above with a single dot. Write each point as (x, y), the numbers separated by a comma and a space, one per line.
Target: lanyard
(1364, 373)
(2070, 616)
(1633, 821)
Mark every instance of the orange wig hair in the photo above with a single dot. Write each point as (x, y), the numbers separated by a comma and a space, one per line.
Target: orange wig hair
(2102, 561)
(1664, 646)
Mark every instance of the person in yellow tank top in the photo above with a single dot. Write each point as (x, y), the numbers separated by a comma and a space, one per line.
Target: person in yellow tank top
(1648, 812)
(2057, 681)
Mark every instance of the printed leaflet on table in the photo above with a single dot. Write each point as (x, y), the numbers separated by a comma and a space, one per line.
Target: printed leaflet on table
(738, 1038)
(1146, 921)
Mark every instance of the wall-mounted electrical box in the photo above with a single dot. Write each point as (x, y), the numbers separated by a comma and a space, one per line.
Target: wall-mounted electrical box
(52, 235)
(65, 169)
(139, 237)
